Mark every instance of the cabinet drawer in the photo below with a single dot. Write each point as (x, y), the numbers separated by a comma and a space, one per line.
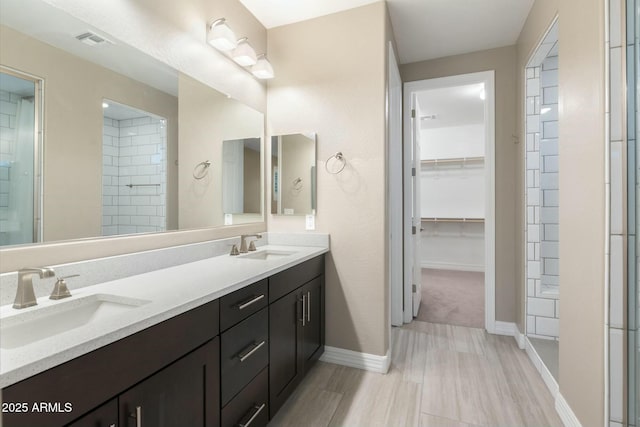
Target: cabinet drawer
(286, 281)
(251, 405)
(242, 304)
(244, 352)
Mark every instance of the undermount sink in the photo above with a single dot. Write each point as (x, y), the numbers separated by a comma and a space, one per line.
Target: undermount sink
(37, 324)
(267, 254)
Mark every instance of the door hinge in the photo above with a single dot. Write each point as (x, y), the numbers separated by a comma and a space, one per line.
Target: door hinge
(413, 171)
(413, 229)
(414, 288)
(413, 113)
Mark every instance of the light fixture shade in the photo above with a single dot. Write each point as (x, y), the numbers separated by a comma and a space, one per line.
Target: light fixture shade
(263, 68)
(221, 36)
(244, 53)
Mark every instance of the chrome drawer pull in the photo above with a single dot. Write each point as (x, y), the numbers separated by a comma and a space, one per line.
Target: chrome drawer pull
(308, 307)
(137, 416)
(253, 300)
(244, 354)
(257, 410)
(304, 309)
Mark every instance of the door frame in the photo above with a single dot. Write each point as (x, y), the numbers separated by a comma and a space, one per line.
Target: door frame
(394, 189)
(488, 78)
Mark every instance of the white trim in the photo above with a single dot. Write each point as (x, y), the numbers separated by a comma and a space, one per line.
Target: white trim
(565, 413)
(355, 359)
(548, 379)
(452, 266)
(563, 409)
(488, 78)
(394, 190)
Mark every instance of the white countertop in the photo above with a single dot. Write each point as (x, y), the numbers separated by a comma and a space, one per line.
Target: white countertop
(171, 291)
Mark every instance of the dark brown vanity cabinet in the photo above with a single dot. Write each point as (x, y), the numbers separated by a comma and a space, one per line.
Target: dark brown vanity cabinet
(184, 393)
(232, 361)
(296, 327)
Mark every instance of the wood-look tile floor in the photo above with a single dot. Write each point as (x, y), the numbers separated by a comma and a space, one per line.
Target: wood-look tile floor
(440, 376)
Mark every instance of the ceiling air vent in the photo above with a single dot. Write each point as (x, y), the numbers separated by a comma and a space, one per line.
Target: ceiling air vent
(92, 39)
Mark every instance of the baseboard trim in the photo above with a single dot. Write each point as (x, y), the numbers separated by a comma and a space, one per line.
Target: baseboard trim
(563, 409)
(566, 414)
(452, 266)
(547, 378)
(509, 329)
(355, 359)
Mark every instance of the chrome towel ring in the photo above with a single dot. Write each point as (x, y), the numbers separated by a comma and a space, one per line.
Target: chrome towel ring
(339, 159)
(201, 169)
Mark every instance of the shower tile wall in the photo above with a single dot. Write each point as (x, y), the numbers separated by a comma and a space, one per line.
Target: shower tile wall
(134, 153)
(8, 109)
(543, 306)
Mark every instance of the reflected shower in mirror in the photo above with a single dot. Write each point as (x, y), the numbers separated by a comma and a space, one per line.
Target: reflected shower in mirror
(19, 158)
(293, 164)
(134, 170)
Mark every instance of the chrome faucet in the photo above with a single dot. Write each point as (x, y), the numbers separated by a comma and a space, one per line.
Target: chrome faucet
(243, 242)
(25, 297)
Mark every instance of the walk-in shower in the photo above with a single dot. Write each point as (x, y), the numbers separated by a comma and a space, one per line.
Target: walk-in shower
(542, 201)
(20, 154)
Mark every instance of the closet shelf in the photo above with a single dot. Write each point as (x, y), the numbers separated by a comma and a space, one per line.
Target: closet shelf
(460, 160)
(474, 220)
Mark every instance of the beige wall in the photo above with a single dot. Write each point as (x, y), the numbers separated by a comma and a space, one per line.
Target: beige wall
(207, 119)
(582, 196)
(336, 89)
(582, 212)
(73, 118)
(174, 33)
(502, 60)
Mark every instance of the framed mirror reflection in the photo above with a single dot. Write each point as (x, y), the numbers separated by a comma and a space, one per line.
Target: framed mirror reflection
(293, 174)
(121, 135)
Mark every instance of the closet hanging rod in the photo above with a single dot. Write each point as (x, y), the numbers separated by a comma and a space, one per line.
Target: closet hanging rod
(453, 160)
(474, 220)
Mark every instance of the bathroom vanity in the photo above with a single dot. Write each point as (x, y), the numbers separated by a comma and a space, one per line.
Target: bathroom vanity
(232, 357)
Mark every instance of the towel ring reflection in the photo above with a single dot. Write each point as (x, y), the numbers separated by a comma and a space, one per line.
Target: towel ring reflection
(339, 159)
(201, 169)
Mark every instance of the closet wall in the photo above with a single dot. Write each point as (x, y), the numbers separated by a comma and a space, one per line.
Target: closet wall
(452, 197)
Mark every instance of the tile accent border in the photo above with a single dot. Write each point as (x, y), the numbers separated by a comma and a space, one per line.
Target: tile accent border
(355, 359)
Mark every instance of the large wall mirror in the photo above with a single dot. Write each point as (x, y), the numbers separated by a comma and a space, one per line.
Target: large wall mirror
(293, 174)
(99, 139)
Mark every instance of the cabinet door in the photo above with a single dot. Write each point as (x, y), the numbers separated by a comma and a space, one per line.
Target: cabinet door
(285, 349)
(175, 396)
(103, 416)
(313, 331)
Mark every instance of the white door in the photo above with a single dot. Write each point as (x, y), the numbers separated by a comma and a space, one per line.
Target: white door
(415, 212)
(411, 153)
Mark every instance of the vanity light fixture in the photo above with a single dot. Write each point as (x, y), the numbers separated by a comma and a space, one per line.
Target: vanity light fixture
(221, 36)
(105, 105)
(244, 54)
(262, 69)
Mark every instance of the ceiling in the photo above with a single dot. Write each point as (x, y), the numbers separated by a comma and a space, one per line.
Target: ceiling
(424, 29)
(451, 106)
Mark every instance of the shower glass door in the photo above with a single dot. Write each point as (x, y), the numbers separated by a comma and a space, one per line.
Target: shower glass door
(19, 152)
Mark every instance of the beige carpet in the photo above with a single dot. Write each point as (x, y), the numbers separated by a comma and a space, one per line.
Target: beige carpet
(452, 298)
